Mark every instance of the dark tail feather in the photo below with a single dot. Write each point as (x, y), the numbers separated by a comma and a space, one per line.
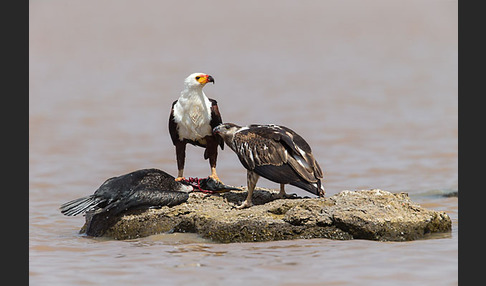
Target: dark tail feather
(315, 188)
(322, 191)
(80, 205)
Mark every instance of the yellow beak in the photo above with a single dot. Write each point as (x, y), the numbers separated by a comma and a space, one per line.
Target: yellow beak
(205, 79)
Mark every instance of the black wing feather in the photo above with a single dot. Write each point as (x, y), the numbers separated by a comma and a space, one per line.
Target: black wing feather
(216, 119)
(174, 134)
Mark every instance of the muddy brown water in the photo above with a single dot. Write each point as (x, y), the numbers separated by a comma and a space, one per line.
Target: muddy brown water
(372, 86)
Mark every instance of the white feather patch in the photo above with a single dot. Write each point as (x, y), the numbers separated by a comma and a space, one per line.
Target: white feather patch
(302, 162)
(192, 113)
(242, 129)
(250, 152)
(302, 152)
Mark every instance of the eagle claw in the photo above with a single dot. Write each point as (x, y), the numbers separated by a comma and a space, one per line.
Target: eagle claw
(288, 196)
(244, 205)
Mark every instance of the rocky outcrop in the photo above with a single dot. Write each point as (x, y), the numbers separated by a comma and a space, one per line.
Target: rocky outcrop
(366, 214)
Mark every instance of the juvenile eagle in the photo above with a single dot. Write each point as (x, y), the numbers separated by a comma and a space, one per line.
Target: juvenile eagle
(273, 152)
(192, 119)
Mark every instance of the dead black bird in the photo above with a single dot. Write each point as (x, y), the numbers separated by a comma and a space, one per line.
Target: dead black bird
(142, 189)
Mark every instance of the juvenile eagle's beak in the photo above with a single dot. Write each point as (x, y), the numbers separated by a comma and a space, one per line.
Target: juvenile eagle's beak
(217, 130)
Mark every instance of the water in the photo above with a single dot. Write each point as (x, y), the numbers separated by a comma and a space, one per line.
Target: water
(372, 86)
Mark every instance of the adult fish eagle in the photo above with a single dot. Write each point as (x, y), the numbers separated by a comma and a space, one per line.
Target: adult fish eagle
(192, 119)
(273, 152)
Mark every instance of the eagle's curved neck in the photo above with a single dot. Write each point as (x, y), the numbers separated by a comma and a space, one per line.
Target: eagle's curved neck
(195, 97)
(229, 139)
(192, 93)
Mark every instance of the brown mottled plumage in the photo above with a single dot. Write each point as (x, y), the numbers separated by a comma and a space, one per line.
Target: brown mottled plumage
(273, 152)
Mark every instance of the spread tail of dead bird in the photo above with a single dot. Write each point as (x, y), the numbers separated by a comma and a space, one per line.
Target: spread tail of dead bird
(80, 205)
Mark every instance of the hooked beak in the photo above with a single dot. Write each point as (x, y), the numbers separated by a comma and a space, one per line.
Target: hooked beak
(210, 79)
(217, 130)
(203, 79)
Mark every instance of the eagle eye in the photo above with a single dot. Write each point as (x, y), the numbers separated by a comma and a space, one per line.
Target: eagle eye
(198, 77)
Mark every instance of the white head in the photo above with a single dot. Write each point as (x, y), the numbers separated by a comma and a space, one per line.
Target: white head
(197, 80)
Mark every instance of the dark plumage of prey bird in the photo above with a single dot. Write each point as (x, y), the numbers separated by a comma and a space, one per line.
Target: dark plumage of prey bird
(276, 153)
(142, 189)
(192, 119)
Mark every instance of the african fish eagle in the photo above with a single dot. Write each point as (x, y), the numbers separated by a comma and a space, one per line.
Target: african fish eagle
(192, 119)
(276, 153)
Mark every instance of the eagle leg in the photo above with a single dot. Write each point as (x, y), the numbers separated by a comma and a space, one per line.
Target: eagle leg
(211, 153)
(252, 179)
(181, 158)
(282, 194)
(214, 175)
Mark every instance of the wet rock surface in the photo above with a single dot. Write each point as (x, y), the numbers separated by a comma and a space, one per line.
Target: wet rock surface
(366, 214)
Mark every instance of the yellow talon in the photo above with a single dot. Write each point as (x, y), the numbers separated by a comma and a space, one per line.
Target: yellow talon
(216, 178)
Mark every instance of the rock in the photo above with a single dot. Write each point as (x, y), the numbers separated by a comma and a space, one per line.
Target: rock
(380, 215)
(366, 214)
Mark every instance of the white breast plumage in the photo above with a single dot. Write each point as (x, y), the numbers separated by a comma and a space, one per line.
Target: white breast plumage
(193, 115)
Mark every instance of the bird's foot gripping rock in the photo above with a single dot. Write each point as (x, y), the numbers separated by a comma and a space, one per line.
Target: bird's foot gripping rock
(244, 205)
(215, 178)
(288, 196)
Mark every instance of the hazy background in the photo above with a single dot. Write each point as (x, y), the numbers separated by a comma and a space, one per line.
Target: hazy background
(371, 85)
